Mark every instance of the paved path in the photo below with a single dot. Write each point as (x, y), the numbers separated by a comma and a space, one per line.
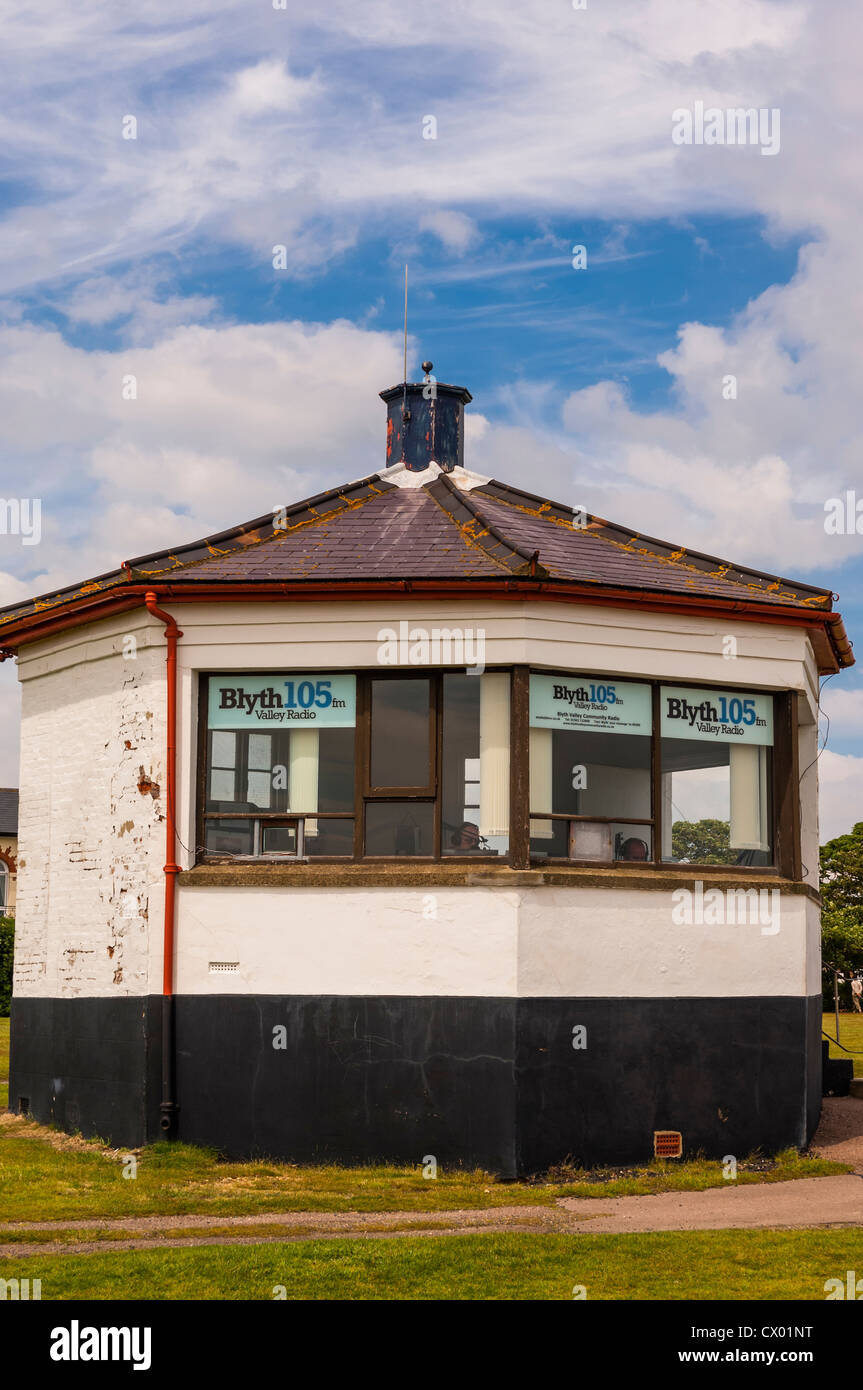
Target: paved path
(778, 1205)
(840, 1133)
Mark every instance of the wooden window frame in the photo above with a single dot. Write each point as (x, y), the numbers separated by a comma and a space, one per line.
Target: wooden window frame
(784, 778)
(429, 791)
(784, 863)
(364, 792)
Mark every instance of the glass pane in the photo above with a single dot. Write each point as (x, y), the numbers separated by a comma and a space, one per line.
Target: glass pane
(278, 839)
(228, 836)
(549, 839)
(260, 751)
(401, 733)
(333, 837)
(716, 802)
(223, 750)
(466, 816)
(305, 770)
(399, 827)
(260, 786)
(221, 785)
(587, 774)
(591, 840)
(336, 770)
(633, 843)
(601, 842)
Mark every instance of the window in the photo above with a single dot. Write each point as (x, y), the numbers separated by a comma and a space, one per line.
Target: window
(475, 765)
(590, 769)
(601, 781)
(402, 735)
(4, 887)
(280, 766)
(716, 759)
(387, 767)
(420, 765)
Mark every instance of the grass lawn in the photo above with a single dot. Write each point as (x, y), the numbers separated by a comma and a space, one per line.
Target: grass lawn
(4, 1063)
(694, 1265)
(46, 1176)
(850, 1036)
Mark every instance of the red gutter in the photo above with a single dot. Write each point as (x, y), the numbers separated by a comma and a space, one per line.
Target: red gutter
(168, 1108)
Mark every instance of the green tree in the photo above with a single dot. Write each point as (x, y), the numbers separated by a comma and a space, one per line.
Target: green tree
(702, 842)
(842, 896)
(7, 941)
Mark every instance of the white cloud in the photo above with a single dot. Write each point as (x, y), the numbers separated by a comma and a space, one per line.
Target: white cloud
(229, 421)
(840, 793)
(138, 303)
(538, 107)
(744, 477)
(844, 709)
(457, 231)
(269, 86)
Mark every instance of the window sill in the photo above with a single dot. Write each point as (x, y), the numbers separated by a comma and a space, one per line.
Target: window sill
(463, 875)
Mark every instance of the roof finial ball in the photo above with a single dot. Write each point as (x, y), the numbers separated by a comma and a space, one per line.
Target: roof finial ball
(427, 366)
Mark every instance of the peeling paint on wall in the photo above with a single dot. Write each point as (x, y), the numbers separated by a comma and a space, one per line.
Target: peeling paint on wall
(92, 823)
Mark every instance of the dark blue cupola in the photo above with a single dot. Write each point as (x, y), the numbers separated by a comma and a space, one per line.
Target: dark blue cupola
(425, 423)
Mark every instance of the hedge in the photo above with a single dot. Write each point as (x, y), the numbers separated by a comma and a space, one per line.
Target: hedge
(7, 942)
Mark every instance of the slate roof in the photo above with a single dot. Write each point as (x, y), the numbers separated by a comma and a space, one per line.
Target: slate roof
(451, 526)
(8, 811)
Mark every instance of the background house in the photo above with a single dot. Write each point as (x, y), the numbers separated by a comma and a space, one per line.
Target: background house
(8, 849)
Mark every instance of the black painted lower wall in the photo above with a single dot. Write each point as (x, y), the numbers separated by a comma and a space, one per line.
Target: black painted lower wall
(87, 1064)
(477, 1081)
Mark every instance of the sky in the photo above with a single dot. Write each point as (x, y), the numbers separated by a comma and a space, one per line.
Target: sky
(218, 199)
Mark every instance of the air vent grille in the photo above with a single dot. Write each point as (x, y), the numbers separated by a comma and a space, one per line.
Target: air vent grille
(667, 1143)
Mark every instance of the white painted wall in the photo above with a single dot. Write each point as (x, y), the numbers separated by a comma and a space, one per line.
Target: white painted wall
(627, 944)
(807, 753)
(91, 845)
(90, 893)
(814, 978)
(544, 942)
(350, 941)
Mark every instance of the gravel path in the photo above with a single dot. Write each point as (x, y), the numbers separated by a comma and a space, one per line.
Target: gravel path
(804, 1202)
(155, 1232)
(840, 1133)
(778, 1205)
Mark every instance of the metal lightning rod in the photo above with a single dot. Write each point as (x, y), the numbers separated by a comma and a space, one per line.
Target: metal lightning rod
(405, 377)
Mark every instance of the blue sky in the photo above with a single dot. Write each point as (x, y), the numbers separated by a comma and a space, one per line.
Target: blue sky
(514, 307)
(258, 128)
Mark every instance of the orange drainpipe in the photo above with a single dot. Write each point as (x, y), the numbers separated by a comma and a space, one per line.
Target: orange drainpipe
(168, 1106)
